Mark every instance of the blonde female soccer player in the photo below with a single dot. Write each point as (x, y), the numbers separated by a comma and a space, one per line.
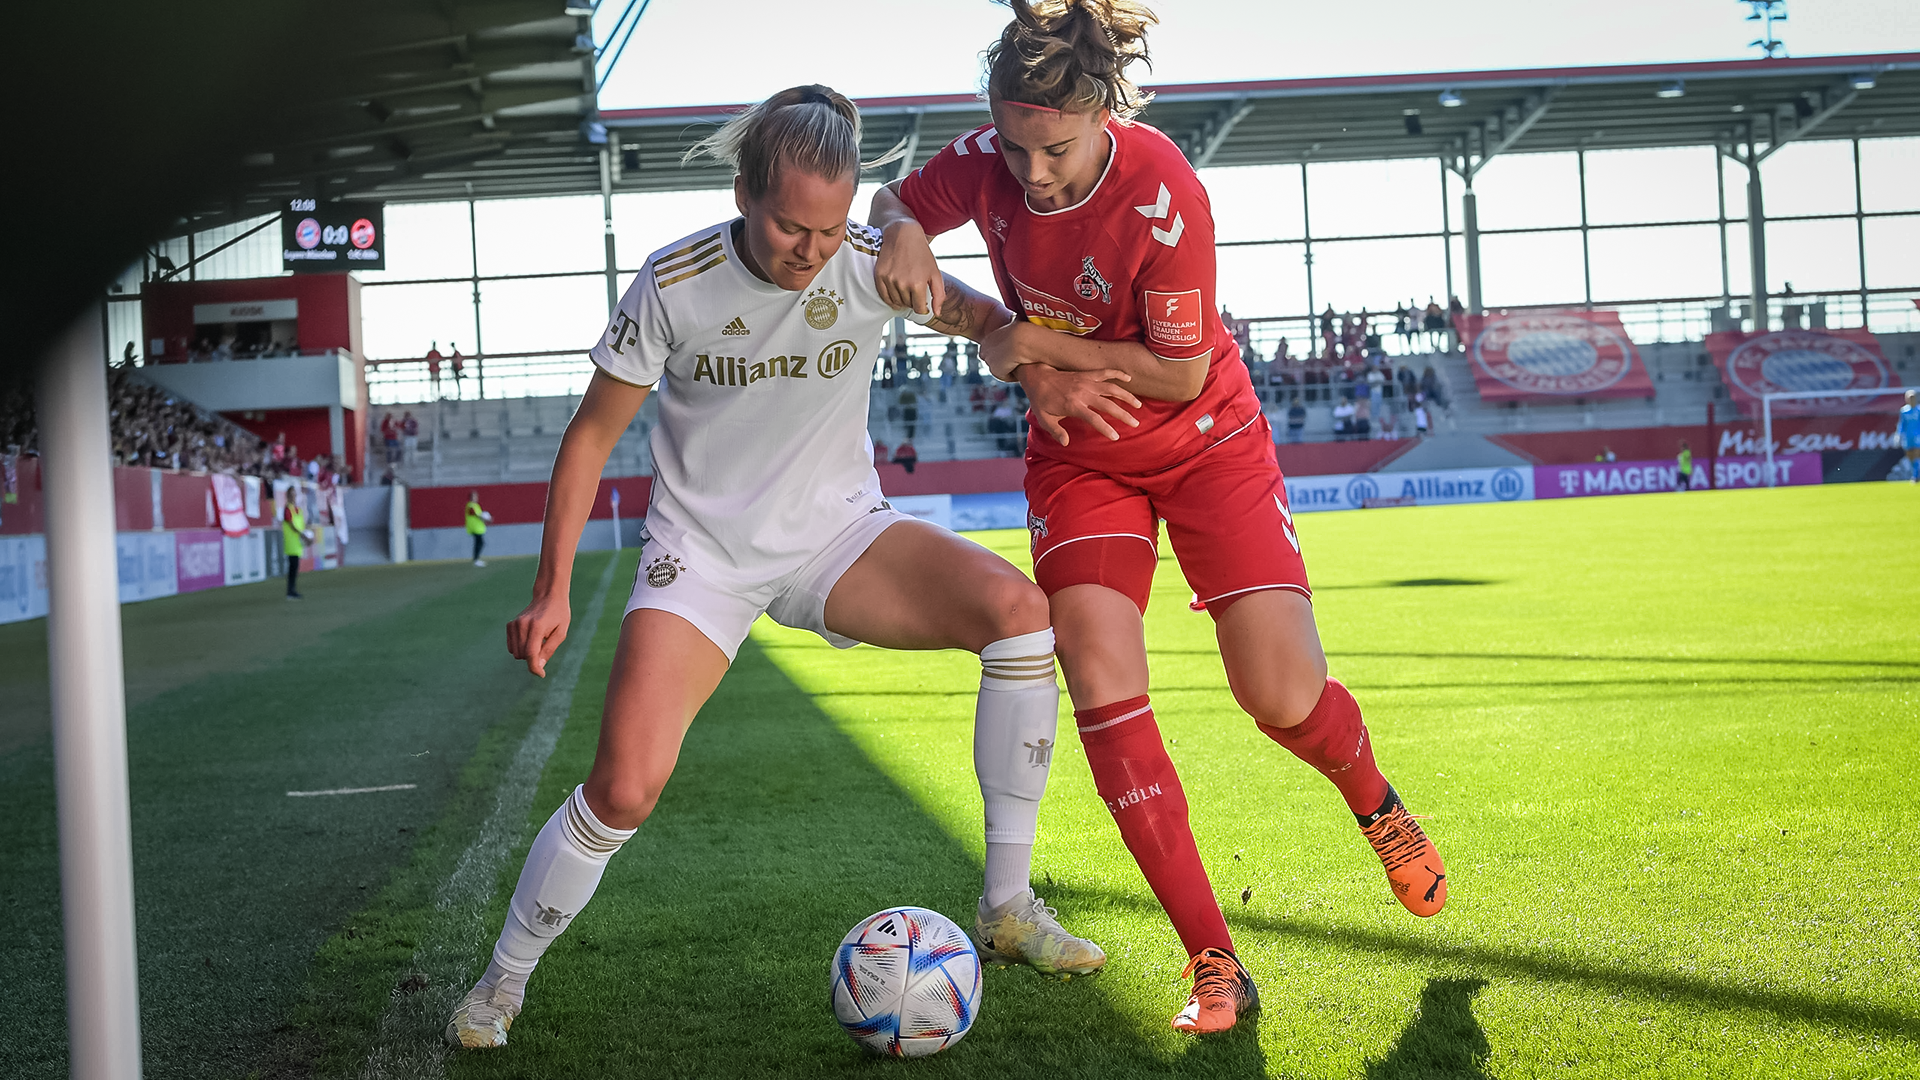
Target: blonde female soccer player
(765, 330)
(1101, 236)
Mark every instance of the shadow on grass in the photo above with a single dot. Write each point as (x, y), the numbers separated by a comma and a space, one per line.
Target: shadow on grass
(1444, 1042)
(705, 951)
(1760, 661)
(1609, 975)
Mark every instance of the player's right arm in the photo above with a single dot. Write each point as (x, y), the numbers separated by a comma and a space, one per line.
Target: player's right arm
(630, 358)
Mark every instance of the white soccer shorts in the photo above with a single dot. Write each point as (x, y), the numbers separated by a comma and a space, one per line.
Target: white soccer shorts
(667, 582)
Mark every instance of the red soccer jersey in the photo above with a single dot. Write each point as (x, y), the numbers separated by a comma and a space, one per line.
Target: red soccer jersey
(1133, 261)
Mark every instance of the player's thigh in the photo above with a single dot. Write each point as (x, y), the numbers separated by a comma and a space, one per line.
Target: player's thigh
(1271, 649)
(919, 586)
(1101, 641)
(664, 669)
(1096, 548)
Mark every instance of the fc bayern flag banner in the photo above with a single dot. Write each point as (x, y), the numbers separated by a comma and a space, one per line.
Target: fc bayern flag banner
(1799, 361)
(1553, 355)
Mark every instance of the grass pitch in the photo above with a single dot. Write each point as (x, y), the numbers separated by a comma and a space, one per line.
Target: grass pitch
(1665, 743)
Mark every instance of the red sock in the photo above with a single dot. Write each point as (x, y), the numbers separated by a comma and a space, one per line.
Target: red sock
(1334, 740)
(1133, 774)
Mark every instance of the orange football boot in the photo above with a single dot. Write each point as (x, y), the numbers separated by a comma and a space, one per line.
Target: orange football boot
(1222, 990)
(1414, 869)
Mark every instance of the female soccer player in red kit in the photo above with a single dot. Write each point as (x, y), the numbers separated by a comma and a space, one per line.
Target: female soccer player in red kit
(1101, 235)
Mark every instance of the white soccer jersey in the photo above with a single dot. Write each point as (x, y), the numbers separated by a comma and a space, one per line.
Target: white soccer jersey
(761, 456)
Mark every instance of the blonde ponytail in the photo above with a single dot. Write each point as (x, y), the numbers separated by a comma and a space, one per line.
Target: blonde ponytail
(812, 128)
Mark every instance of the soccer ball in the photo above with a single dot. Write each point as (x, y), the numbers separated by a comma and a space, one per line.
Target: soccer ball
(906, 982)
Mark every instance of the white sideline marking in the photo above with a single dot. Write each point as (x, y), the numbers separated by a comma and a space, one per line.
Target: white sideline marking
(351, 790)
(458, 938)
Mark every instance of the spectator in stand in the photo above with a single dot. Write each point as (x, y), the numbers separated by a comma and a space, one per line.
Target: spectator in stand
(278, 452)
(390, 436)
(1296, 421)
(1420, 419)
(909, 409)
(1436, 323)
(1430, 386)
(949, 365)
(1376, 389)
(1327, 332)
(1409, 382)
(1362, 419)
(459, 368)
(477, 526)
(973, 364)
(433, 368)
(906, 456)
(1389, 424)
(410, 436)
(977, 398)
(1280, 357)
(1454, 310)
(1343, 421)
(1000, 422)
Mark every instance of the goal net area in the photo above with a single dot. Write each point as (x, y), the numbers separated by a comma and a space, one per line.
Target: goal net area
(1855, 431)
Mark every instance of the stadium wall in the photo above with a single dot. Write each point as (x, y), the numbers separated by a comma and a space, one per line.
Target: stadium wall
(170, 536)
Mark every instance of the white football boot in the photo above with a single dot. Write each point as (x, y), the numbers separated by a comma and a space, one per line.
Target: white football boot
(482, 1020)
(1024, 930)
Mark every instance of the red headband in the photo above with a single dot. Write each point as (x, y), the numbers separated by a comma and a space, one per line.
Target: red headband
(1037, 108)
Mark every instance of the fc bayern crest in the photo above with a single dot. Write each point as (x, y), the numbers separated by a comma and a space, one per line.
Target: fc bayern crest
(1803, 361)
(1553, 354)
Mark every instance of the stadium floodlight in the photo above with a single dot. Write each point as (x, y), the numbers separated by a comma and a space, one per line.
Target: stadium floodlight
(1672, 89)
(1862, 81)
(1451, 99)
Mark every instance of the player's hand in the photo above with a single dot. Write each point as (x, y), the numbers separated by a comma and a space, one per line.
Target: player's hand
(906, 273)
(1087, 396)
(535, 633)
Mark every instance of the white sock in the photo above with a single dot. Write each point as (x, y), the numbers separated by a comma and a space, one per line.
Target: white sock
(1014, 725)
(563, 868)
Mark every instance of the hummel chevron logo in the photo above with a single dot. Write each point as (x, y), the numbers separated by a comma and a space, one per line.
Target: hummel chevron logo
(984, 141)
(1158, 212)
(736, 327)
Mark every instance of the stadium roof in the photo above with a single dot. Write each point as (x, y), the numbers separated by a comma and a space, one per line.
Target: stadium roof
(497, 104)
(1368, 117)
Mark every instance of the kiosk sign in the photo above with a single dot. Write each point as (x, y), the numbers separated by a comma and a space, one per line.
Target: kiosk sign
(319, 236)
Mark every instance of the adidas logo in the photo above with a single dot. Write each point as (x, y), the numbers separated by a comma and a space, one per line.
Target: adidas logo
(736, 327)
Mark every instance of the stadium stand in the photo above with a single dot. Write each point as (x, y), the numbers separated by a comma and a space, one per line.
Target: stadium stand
(152, 427)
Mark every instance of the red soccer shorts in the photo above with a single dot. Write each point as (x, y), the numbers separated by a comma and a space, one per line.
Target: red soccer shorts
(1226, 513)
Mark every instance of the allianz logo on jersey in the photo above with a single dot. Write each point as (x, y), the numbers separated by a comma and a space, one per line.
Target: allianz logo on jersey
(740, 371)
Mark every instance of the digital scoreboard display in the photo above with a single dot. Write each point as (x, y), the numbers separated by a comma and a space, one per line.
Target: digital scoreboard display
(332, 236)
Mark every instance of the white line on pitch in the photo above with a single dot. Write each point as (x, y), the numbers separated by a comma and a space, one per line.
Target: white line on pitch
(352, 790)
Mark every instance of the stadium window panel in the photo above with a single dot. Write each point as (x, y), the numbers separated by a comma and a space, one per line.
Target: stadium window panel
(541, 236)
(1803, 178)
(1739, 270)
(1373, 198)
(401, 322)
(1268, 280)
(1817, 256)
(424, 240)
(541, 314)
(1527, 268)
(1655, 262)
(256, 256)
(1893, 253)
(1376, 274)
(1628, 187)
(1523, 191)
(1889, 178)
(646, 221)
(1258, 202)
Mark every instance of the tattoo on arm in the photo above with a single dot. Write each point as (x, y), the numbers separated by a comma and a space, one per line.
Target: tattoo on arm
(964, 313)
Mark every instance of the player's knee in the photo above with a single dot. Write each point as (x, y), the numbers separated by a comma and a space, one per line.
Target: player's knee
(1015, 606)
(623, 803)
(1283, 699)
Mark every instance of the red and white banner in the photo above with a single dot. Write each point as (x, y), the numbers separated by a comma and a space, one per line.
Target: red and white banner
(1553, 355)
(1800, 361)
(232, 504)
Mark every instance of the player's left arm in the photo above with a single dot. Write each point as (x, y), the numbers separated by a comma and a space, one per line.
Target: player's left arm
(966, 313)
(1150, 375)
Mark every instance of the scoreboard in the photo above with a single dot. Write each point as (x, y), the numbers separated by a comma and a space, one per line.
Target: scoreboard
(332, 237)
